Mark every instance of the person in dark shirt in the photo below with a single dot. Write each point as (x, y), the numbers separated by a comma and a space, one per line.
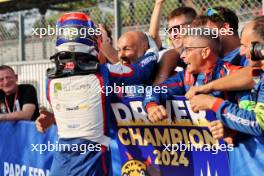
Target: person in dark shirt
(17, 102)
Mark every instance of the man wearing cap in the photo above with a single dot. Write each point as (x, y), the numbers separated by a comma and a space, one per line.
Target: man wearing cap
(78, 94)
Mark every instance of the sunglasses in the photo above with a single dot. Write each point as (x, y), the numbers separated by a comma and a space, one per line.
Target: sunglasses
(211, 12)
(175, 28)
(190, 48)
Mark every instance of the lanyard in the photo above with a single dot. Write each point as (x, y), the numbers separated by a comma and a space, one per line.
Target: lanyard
(7, 104)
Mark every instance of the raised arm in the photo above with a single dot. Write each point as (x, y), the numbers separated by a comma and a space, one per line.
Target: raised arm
(106, 47)
(155, 22)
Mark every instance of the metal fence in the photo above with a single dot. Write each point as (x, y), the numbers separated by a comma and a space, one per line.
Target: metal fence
(135, 14)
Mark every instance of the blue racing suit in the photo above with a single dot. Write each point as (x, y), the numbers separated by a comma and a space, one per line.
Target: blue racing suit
(181, 83)
(247, 118)
(234, 58)
(81, 106)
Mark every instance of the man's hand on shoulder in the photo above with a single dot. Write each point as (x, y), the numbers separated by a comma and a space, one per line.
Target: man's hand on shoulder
(195, 90)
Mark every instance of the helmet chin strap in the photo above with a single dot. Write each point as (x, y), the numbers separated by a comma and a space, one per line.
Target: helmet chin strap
(72, 67)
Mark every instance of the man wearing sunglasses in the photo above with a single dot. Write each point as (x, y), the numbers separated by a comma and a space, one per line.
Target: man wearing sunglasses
(169, 59)
(77, 92)
(179, 17)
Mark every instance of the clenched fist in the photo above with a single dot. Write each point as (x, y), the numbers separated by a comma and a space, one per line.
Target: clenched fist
(156, 113)
(44, 121)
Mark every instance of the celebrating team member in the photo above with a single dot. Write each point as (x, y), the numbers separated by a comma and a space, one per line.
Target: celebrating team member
(226, 21)
(200, 53)
(248, 118)
(169, 59)
(17, 102)
(77, 94)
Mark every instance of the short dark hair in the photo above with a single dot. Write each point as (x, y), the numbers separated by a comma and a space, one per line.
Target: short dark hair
(6, 67)
(228, 15)
(259, 26)
(200, 20)
(188, 12)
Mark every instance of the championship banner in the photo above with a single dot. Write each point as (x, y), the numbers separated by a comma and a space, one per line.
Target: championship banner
(24, 151)
(179, 145)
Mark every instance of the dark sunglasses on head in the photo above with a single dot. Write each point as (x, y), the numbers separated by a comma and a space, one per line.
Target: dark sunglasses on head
(211, 12)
